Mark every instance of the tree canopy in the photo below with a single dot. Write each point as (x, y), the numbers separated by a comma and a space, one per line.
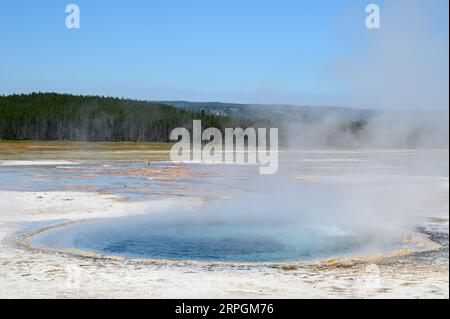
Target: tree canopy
(52, 116)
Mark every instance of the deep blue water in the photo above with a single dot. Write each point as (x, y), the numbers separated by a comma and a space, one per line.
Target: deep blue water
(143, 237)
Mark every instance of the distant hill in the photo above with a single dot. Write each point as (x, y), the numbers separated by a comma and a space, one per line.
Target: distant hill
(52, 116)
(274, 111)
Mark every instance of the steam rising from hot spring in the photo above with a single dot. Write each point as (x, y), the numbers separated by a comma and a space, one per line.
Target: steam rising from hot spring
(362, 199)
(320, 205)
(376, 207)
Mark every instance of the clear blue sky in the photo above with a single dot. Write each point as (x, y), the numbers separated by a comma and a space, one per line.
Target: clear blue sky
(253, 51)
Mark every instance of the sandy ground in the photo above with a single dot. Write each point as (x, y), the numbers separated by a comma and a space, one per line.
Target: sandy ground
(31, 274)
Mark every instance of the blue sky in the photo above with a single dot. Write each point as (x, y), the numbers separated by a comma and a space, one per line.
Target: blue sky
(293, 52)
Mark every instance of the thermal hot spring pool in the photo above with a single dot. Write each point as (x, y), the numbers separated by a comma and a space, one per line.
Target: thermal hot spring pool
(144, 237)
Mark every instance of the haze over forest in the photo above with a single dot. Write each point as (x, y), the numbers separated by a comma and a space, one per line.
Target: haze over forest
(52, 116)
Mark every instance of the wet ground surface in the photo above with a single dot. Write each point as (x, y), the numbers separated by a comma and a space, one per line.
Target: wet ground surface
(439, 235)
(142, 175)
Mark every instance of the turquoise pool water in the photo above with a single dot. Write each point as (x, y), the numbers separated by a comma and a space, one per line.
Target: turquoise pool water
(144, 237)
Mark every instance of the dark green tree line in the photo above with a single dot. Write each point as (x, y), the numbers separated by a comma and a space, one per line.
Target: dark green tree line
(51, 116)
